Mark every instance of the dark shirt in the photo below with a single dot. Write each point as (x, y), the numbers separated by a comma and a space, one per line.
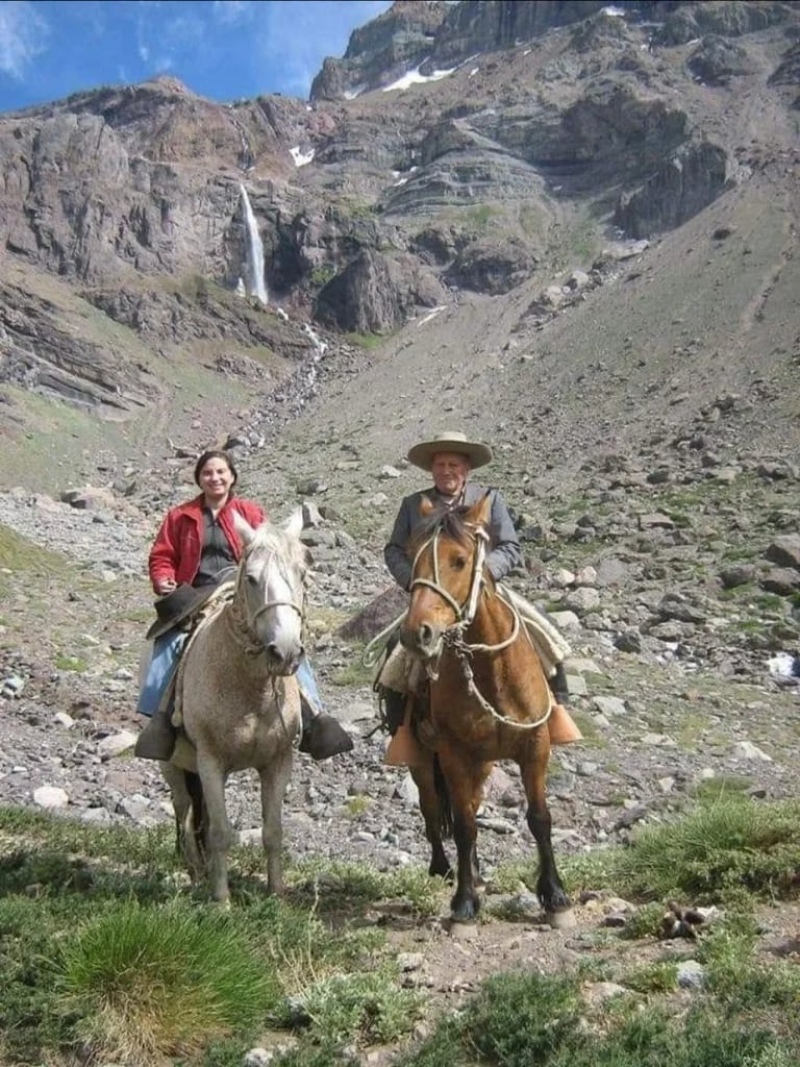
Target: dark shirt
(216, 554)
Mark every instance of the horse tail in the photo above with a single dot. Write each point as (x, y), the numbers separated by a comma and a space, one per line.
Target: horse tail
(443, 796)
(194, 787)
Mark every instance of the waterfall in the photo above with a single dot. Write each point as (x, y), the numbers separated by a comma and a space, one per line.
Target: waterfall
(254, 268)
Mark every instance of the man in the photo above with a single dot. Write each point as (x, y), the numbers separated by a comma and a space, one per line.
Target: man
(450, 457)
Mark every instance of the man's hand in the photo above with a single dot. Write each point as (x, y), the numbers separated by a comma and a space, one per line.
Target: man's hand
(165, 585)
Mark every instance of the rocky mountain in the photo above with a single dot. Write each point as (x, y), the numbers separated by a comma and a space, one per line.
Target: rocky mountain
(457, 151)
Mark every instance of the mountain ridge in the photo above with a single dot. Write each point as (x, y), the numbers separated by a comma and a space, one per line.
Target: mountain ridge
(515, 187)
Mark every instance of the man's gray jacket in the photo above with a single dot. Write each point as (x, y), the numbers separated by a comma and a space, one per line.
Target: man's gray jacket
(505, 553)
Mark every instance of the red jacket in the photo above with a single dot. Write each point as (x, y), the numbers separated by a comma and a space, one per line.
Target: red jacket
(176, 550)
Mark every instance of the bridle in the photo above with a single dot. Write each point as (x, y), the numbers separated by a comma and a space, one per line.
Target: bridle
(244, 629)
(465, 613)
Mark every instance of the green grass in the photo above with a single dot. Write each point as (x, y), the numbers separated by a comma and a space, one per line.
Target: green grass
(730, 845)
(368, 1006)
(526, 1019)
(148, 983)
(354, 673)
(368, 341)
(19, 554)
(107, 955)
(76, 664)
(358, 805)
(722, 786)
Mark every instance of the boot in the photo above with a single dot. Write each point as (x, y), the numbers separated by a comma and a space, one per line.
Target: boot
(394, 709)
(157, 738)
(558, 683)
(323, 736)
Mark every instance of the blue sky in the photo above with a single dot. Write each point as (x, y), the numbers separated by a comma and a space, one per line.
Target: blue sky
(222, 49)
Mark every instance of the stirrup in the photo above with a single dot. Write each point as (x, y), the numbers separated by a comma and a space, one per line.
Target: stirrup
(562, 727)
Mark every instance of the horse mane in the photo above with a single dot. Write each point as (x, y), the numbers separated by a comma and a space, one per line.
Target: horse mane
(450, 522)
(271, 538)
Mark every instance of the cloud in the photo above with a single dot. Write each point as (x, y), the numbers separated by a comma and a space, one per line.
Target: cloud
(23, 36)
(168, 44)
(232, 11)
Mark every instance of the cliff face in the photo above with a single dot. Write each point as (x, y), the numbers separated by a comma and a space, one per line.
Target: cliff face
(455, 147)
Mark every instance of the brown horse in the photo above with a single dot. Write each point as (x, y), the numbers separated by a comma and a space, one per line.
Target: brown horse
(488, 699)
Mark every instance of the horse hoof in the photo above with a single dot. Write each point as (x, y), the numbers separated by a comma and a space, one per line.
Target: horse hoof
(463, 919)
(561, 920)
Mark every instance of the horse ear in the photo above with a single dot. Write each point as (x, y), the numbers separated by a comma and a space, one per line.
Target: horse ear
(426, 507)
(294, 524)
(243, 528)
(481, 513)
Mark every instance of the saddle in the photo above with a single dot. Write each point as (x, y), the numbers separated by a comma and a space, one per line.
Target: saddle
(399, 673)
(208, 607)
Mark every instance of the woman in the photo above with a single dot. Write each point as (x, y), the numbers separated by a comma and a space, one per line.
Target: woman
(196, 547)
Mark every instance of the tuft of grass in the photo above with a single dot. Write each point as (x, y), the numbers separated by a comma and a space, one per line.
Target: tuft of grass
(720, 786)
(343, 887)
(75, 664)
(738, 977)
(371, 1007)
(588, 870)
(368, 341)
(516, 1021)
(731, 844)
(355, 673)
(524, 1019)
(357, 805)
(658, 977)
(314, 1053)
(147, 983)
(644, 922)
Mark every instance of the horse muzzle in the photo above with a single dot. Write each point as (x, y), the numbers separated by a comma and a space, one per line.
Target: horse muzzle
(283, 661)
(425, 641)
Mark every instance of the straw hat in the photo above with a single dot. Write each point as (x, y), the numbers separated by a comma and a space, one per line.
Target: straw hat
(421, 455)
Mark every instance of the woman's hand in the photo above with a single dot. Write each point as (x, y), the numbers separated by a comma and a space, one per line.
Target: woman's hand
(165, 585)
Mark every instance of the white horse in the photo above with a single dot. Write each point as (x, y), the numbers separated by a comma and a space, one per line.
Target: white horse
(238, 701)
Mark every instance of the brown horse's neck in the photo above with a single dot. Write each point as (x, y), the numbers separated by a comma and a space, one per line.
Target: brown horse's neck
(510, 676)
(493, 622)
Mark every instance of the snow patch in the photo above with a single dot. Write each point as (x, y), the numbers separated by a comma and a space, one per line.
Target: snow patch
(615, 12)
(431, 315)
(301, 158)
(413, 77)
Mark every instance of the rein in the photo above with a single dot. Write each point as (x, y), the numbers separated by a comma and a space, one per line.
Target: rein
(465, 615)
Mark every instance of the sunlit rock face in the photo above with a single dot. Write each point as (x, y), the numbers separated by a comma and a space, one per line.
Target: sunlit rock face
(455, 149)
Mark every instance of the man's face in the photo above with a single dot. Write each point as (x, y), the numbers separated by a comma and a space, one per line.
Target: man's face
(450, 471)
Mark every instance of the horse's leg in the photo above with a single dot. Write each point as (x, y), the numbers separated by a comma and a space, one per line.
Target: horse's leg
(184, 827)
(549, 888)
(465, 780)
(435, 808)
(218, 838)
(274, 780)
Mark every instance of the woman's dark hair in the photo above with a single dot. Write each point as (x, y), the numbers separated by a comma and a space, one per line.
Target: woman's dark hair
(216, 453)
